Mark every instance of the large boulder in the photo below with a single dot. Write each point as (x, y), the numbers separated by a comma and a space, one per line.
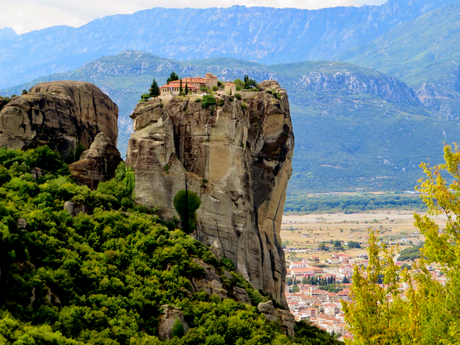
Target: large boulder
(60, 114)
(237, 157)
(98, 164)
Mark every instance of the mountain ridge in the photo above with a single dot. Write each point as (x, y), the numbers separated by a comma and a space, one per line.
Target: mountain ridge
(238, 32)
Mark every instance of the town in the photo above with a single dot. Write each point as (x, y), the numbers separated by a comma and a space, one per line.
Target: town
(320, 273)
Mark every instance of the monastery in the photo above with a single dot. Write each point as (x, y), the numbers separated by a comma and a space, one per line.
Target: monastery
(194, 85)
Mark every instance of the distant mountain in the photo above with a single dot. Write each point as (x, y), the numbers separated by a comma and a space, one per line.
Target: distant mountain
(354, 127)
(424, 53)
(260, 34)
(7, 33)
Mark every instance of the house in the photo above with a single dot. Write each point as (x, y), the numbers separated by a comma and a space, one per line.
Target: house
(299, 264)
(230, 88)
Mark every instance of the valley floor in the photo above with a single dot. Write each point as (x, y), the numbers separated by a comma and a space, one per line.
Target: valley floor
(320, 261)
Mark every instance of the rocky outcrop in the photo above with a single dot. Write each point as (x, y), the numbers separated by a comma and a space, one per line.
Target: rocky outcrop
(379, 85)
(74, 209)
(237, 156)
(168, 318)
(97, 164)
(285, 318)
(2, 102)
(442, 101)
(59, 114)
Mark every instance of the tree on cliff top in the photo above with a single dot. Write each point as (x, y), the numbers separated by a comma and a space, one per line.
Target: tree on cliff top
(154, 89)
(427, 311)
(173, 76)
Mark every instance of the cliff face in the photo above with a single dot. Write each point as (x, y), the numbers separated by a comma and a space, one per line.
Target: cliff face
(379, 85)
(237, 156)
(59, 114)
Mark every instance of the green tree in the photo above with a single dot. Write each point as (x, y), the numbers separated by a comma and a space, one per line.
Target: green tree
(322, 246)
(186, 203)
(428, 312)
(178, 329)
(154, 89)
(208, 101)
(173, 76)
(353, 244)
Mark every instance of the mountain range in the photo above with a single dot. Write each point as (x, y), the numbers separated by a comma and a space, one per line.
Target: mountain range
(261, 34)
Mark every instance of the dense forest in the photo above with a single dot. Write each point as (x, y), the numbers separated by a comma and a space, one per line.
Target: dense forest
(105, 274)
(352, 202)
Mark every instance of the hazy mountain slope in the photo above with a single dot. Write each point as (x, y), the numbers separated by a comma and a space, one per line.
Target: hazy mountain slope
(261, 34)
(354, 127)
(424, 53)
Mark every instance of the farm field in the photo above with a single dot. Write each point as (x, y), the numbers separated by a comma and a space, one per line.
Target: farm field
(303, 234)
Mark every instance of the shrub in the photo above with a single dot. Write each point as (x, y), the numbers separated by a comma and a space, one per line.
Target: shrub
(178, 329)
(238, 96)
(221, 102)
(186, 203)
(207, 101)
(244, 106)
(215, 88)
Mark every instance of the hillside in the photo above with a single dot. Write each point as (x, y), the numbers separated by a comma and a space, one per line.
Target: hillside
(237, 32)
(354, 127)
(114, 273)
(424, 53)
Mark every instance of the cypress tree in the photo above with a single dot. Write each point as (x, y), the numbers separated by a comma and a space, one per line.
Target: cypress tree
(154, 89)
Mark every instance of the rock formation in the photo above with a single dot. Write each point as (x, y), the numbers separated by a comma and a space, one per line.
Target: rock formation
(2, 102)
(168, 318)
(237, 156)
(285, 318)
(59, 114)
(97, 164)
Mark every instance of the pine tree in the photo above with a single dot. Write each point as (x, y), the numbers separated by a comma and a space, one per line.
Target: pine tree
(172, 77)
(186, 88)
(180, 87)
(154, 89)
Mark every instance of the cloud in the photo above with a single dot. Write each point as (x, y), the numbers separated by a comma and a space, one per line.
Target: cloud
(27, 15)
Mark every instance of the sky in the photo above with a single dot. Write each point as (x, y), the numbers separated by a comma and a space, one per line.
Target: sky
(28, 15)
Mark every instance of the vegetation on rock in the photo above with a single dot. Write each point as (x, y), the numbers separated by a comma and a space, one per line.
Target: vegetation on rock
(186, 202)
(101, 276)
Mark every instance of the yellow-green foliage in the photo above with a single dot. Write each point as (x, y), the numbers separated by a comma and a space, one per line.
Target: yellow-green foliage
(429, 313)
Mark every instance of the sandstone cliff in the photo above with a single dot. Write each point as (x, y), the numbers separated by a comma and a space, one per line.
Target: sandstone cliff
(237, 156)
(59, 114)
